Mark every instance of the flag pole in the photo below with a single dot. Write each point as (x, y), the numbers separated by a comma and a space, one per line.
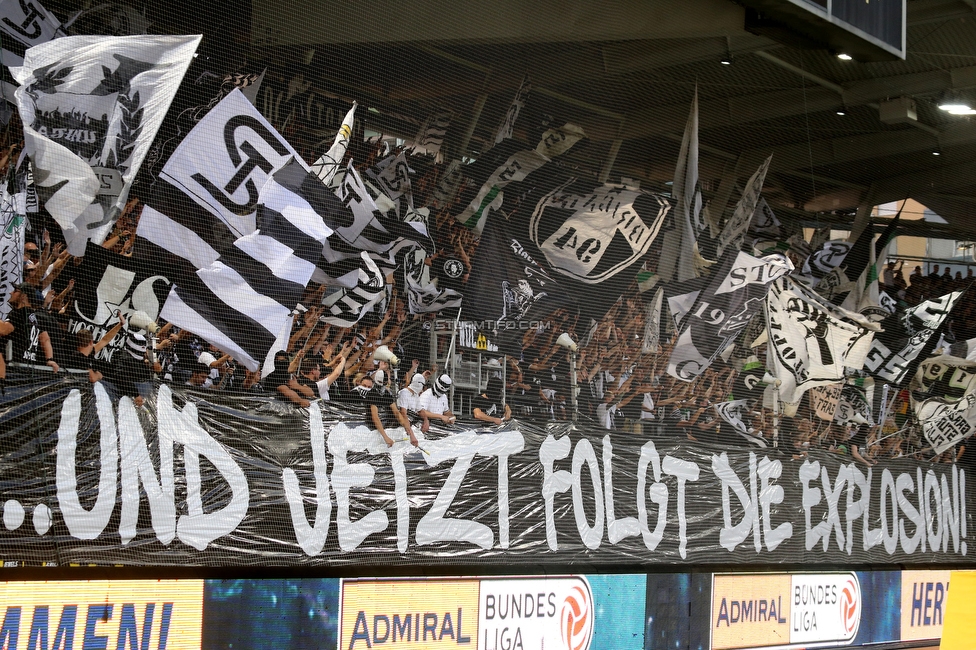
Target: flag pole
(776, 385)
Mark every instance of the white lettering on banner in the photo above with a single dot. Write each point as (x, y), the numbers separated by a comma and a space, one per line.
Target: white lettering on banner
(558, 481)
(197, 528)
(731, 536)
(921, 511)
(433, 527)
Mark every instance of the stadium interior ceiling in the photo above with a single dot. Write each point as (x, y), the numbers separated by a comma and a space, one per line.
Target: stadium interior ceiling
(626, 71)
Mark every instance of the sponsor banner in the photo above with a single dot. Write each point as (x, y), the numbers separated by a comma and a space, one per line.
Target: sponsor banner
(161, 614)
(750, 611)
(318, 487)
(923, 604)
(410, 614)
(785, 610)
(532, 613)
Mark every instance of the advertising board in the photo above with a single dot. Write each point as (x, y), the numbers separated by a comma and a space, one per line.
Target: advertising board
(784, 610)
(504, 613)
(102, 614)
(923, 604)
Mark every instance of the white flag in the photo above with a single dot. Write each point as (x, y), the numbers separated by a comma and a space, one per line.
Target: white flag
(811, 342)
(327, 166)
(91, 107)
(943, 394)
(738, 224)
(678, 260)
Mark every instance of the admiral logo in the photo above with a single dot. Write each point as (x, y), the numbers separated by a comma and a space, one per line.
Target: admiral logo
(594, 236)
(408, 614)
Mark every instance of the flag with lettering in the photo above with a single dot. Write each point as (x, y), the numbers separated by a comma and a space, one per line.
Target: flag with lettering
(943, 395)
(722, 310)
(91, 107)
(908, 336)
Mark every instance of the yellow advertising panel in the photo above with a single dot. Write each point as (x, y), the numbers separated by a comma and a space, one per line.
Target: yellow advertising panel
(923, 604)
(412, 614)
(103, 614)
(750, 611)
(960, 624)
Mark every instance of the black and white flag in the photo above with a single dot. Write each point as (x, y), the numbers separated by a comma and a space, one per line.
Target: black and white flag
(206, 196)
(509, 288)
(391, 176)
(13, 228)
(107, 283)
(507, 126)
(764, 224)
(23, 24)
(734, 232)
(826, 258)
(811, 342)
(91, 107)
(345, 307)
(907, 338)
(736, 413)
(243, 301)
(678, 255)
(423, 294)
(722, 310)
(509, 162)
(856, 403)
(330, 162)
(432, 132)
(943, 394)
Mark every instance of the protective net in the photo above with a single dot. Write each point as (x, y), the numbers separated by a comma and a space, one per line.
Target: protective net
(287, 289)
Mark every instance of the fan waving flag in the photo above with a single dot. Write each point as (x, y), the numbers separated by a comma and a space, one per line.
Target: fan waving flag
(91, 107)
(243, 301)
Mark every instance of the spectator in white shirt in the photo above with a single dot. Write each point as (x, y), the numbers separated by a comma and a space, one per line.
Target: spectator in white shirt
(434, 404)
(408, 399)
(311, 375)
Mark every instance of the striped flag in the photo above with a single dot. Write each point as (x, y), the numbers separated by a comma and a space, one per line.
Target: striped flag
(206, 196)
(346, 306)
(242, 302)
(432, 132)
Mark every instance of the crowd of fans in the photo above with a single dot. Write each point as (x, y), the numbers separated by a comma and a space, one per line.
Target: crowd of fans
(620, 378)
